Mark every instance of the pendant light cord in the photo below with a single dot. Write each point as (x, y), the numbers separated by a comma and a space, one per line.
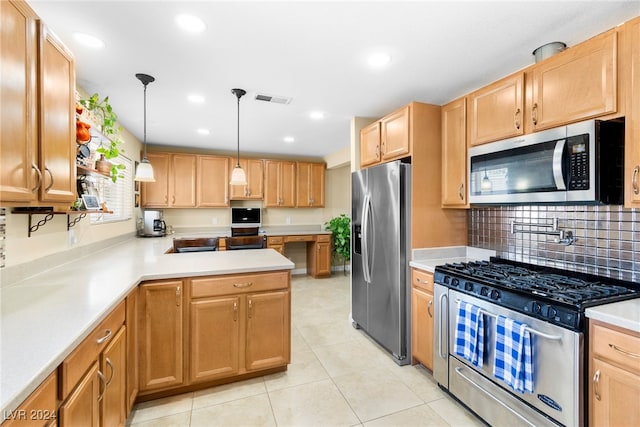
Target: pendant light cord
(145, 122)
(238, 133)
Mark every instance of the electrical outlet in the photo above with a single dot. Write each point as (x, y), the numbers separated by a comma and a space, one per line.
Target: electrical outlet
(288, 220)
(72, 237)
(214, 220)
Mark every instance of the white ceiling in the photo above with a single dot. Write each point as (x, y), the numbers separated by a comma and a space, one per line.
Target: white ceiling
(314, 52)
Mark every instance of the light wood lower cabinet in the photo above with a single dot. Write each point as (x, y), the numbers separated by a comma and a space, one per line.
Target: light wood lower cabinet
(614, 389)
(113, 364)
(131, 323)
(161, 323)
(319, 256)
(82, 408)
(422, 318)
(40, 409)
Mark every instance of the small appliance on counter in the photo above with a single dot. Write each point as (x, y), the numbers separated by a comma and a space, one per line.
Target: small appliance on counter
(152, 224)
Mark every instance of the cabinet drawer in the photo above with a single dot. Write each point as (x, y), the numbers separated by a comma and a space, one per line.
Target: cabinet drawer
(80, 360)
(323, 238)
(275, 240)
(238, 283)
(422, 280)
(616, 346)
(305, 238)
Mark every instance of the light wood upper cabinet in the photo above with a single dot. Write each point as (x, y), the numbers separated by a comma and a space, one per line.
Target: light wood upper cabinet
(280, 185)
(37, 140)
(576, 84)
(254, 190)
(310, 185)
(213, 181)
(497, 111)
(454, 154)
(632, 120)
(175, 185)
(370, 145)
(394, 133)
(160, 335)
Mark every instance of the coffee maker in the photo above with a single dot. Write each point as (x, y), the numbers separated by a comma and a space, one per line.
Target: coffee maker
(152, 224)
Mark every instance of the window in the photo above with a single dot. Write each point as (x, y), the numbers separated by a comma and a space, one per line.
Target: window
(118, 196)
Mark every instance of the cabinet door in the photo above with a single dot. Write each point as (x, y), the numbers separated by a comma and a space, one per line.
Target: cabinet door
(613, 396)
(39, 409)
(57, 120)
(255, 180)
(632, 122)
(113, 364)
(213, 181)
(82, 407)
(317, 184)
(287, 184)
(271, 177)
(156, 194)
(268, 330)
(131, 322)
(280, 185)
(370, 145)
(323, 259)
(183, 181)
(215, 337)
(422, 327)
(310, 184)
(395, 135)
(18, 92)
(454, 154)
(576, 84)
(161, 329)
(496, 111)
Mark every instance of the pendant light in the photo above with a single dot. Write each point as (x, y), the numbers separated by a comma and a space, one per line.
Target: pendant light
(144, 172)
(238, 176)
(486, 184)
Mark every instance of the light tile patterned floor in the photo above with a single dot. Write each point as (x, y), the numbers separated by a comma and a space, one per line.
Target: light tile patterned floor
(337, 377)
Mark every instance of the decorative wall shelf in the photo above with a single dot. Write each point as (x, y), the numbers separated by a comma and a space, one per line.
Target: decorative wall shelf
(49, 213)
(84, 170)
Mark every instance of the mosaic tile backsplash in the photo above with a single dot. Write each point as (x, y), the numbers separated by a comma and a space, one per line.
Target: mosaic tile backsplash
(607, 237)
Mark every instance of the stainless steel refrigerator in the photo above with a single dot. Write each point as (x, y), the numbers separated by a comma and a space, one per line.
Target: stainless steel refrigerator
(380, 253)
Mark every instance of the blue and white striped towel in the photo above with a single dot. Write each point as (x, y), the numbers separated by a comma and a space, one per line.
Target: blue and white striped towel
(513, 358)
(470, 333)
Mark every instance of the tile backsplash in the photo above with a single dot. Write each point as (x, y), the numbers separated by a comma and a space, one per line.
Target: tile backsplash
(607, 237)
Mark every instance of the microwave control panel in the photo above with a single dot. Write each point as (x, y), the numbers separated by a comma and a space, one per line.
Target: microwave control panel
(578, 159)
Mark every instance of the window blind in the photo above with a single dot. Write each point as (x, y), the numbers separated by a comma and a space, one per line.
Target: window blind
(118, 196)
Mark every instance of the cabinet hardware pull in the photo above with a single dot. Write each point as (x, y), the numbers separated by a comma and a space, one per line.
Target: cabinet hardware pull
(113, 371)
(173, 200)
(596, 382)
(242, 285)
(106, 336)
(516, 119)
(104, 383)
(235, 311)
(51, 175)
(634, 179)
(250, 309)
(37, 187)
(429, 309)
(625, 352)
(460, 191)
(178, 293)
(534, 114)
(383, 147)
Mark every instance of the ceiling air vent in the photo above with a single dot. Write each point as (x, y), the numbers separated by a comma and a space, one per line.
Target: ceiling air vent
(272, 98)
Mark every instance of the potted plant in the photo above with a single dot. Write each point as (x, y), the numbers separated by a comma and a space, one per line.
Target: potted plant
(103, 114)
(340, 226)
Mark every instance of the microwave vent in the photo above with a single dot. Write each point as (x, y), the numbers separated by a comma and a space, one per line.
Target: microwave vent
(272, 98)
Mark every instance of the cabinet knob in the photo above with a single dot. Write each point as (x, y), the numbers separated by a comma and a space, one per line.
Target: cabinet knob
(235, 311)
(460, 191)
(37, 187)
(516, 119)
(50, 175)
(634, 179)
(429, 308)
(596, 383)
(250, 308)
(105, 337)
(103, 380)
(534, 114)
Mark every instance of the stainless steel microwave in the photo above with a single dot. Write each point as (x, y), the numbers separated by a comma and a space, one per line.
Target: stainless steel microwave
(578, 163)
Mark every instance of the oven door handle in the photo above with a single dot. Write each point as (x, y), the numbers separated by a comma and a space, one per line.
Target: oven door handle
(442, 315)
(557, 165)
(491, 396)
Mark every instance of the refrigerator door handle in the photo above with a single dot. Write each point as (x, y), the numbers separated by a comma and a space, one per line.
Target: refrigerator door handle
(366, 208)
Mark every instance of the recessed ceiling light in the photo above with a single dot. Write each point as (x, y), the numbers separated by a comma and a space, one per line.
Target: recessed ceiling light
(379, 60)
(88, 40)
(203, 131)
(196, 99)
(316, 115)
(289, 139)
(190, 23)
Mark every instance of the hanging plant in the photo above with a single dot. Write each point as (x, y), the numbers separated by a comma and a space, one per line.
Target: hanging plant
(340, 226)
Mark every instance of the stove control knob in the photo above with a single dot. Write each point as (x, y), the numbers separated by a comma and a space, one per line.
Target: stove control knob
(454, 283)
(484, 291)
(495, 294)
(468, 286)
(549, 312)
(536, 308)
(446, 280)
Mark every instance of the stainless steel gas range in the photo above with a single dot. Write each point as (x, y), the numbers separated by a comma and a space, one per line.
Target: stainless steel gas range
(509, 338)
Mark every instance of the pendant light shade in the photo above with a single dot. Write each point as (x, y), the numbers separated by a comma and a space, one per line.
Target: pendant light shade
(144, 172)
(238, 176)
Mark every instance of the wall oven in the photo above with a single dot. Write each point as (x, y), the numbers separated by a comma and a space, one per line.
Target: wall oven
(550, 305)
(578, 163)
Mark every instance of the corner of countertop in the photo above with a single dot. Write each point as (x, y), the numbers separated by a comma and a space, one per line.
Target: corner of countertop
(428, 258)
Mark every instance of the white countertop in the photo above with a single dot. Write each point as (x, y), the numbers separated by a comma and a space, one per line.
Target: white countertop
(428, 258)
(44, 317)
(625, 314)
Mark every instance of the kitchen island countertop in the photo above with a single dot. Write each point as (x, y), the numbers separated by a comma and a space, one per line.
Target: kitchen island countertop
(43, 318)
(624, 314)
